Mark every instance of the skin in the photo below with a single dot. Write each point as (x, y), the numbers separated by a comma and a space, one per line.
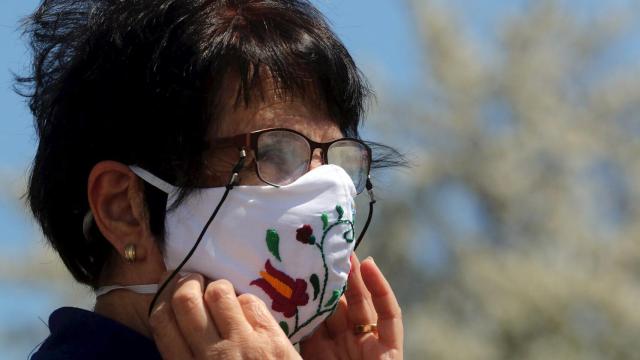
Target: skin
(199, 318)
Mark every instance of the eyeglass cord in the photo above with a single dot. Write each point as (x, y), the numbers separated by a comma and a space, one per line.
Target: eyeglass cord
(233, 181)
(372, 200)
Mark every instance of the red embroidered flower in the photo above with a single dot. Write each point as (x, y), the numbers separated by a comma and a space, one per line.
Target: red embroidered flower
(305, 235)
(286, 294)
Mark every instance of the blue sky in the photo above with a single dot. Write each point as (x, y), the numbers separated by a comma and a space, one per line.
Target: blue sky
(16, 140)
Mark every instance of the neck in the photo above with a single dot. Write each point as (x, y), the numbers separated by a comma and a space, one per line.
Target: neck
(126, 307)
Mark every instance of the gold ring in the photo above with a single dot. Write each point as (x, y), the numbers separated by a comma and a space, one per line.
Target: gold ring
(367, 328)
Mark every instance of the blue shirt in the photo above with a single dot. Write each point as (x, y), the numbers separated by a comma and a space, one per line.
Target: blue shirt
(82, 334)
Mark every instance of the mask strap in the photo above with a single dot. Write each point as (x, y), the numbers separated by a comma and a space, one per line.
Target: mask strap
(233, 181)
(372, 200)
(153, 180)
(139, 289)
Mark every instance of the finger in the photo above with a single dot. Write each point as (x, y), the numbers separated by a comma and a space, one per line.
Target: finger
(338, 322)
(225, 309)
(256, 313)
(384, 300)
(341, 333)
(192, 314)
(360, 307)
(164, 328)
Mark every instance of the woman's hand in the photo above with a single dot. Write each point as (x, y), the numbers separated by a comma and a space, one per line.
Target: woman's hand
(194, 322)
(368, 300)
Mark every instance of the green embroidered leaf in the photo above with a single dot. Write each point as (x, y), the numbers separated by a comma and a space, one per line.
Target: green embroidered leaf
(285, 327)
(315, 282)
(273, 243)
(312, 240)
(336, 294)
(340, 211)
(325, 221)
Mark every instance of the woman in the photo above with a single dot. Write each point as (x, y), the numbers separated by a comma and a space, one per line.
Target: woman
(217, 140)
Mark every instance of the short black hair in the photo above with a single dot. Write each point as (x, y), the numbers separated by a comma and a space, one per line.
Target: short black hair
(133, 81)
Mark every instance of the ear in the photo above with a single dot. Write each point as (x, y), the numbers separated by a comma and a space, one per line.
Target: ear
(116, 199)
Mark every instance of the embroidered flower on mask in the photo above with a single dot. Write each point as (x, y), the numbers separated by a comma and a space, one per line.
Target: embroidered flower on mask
(286, 293)
(305, 235)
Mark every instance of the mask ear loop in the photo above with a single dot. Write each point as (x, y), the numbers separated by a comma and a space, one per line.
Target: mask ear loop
(233, 181)
(372, 200)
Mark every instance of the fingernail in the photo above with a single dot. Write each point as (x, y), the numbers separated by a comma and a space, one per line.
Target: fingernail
(369, 258)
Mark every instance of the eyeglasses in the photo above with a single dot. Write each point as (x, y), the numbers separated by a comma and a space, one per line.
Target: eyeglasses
(283, 155)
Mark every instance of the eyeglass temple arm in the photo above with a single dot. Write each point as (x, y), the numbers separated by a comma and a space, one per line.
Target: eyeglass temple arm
(372, 200)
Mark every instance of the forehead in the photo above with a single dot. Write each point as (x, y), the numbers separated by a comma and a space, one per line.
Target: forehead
(270, 107)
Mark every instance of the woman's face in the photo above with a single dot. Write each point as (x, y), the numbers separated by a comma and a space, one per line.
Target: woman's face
(303, 114)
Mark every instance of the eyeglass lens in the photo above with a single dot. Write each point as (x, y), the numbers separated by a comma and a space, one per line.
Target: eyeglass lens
(353, 157)
(283, 156)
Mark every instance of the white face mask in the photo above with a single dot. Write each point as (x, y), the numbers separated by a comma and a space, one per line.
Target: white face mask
(289, 245)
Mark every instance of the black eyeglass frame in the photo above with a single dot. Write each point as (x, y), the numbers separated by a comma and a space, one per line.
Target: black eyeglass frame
(249, 141)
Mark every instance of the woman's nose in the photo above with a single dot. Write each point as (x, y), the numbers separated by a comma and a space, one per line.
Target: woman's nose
(316, 159)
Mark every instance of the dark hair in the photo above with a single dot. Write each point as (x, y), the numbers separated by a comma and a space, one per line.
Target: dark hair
(133, 81)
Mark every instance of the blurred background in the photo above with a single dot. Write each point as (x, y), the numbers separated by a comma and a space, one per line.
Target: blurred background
(515, 234)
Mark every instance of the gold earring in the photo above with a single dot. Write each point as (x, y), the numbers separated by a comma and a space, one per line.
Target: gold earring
(130, 253)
